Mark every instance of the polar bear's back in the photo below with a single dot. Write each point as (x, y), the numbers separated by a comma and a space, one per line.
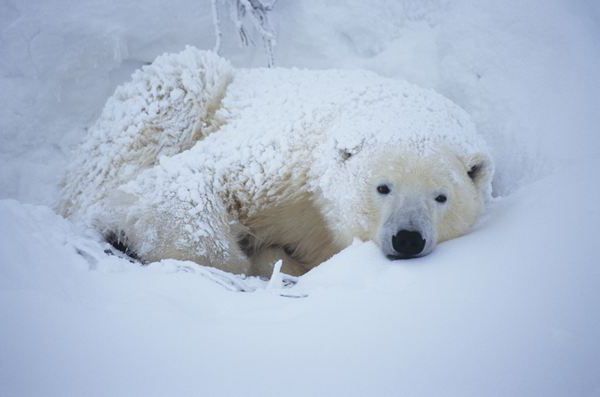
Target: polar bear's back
(293, 118)
(280, 104)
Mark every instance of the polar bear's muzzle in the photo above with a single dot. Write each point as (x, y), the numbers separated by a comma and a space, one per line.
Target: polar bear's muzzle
(407, 234)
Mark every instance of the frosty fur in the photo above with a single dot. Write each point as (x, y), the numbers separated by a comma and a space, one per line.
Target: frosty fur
(234, 169)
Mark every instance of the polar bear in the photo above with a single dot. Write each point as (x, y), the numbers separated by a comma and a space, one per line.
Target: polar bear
(237, 168)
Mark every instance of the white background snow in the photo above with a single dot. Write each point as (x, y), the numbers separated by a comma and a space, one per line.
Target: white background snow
(510, 309)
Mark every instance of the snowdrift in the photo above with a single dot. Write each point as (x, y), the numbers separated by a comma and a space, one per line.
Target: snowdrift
(506, 310)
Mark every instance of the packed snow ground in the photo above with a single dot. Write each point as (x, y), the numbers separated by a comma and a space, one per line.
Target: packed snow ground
(510, 309)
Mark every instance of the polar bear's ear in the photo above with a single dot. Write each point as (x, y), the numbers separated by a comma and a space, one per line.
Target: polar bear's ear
(346, 152)
(480, 169)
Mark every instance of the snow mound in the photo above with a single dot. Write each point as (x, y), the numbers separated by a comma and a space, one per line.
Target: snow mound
(506, 310)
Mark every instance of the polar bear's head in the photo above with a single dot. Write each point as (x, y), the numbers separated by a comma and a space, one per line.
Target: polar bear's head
(405, 202)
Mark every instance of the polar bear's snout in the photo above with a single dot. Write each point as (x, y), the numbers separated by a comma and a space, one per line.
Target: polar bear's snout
(409, 228)
(407, 244)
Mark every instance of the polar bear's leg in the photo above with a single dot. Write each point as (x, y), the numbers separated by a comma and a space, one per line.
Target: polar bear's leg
(166, 221)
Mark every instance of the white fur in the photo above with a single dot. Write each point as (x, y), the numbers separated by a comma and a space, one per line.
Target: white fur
(243, 167)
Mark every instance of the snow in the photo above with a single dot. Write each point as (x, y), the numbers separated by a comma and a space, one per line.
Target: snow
(501, 311)
(510, 309)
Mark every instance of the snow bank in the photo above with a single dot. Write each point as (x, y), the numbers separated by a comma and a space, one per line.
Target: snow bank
(507, 310)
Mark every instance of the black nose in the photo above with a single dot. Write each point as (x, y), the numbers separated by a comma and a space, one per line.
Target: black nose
(408, 243)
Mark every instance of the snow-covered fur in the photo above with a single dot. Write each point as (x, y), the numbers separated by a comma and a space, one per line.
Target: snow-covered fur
(237, 168)
(165, 109)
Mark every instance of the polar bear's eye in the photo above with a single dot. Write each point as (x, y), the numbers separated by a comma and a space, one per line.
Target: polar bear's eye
(383, 189)
(441, 198)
